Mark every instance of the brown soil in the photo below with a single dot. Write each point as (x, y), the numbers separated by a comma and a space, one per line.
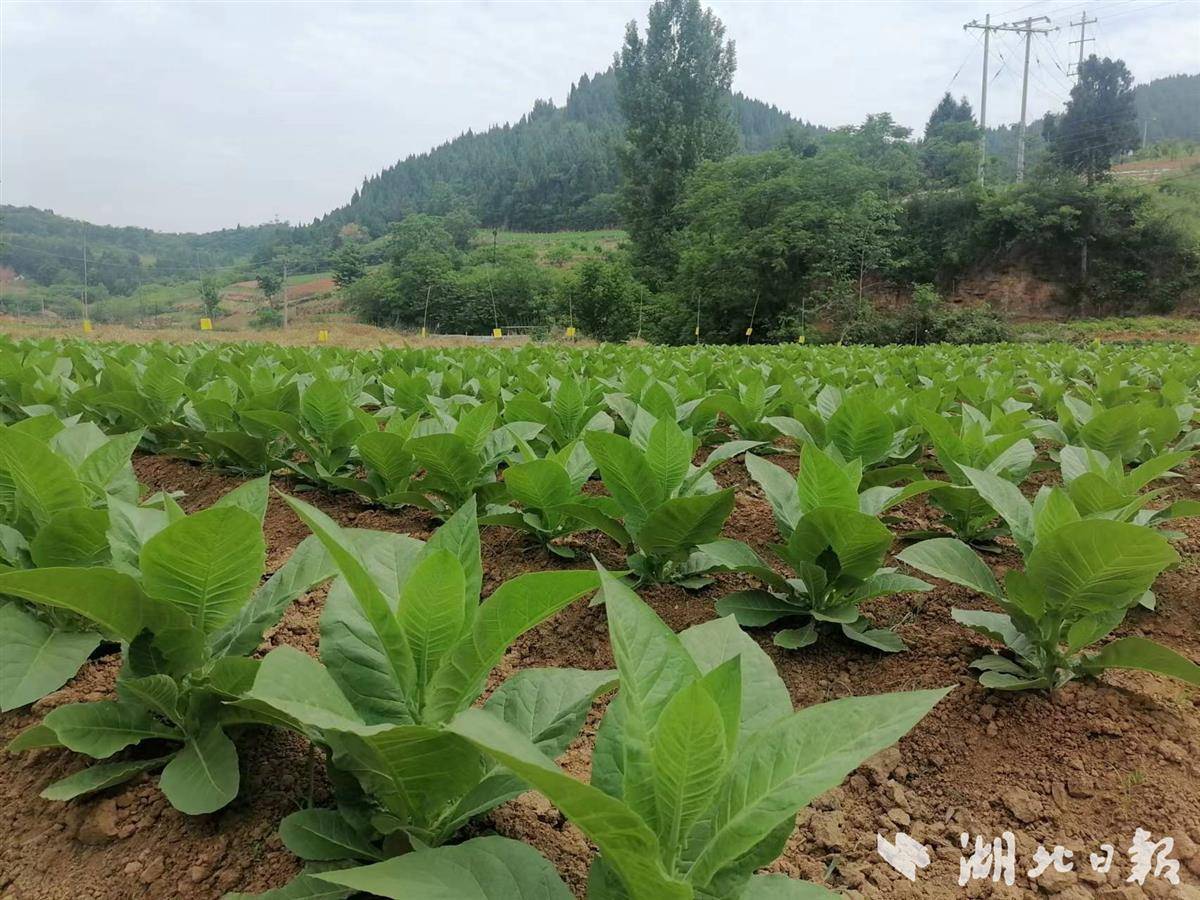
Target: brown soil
(1082, 768)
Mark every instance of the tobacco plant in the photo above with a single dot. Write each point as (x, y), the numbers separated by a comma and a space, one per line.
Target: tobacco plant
(1079, 580)
(406, 645)
(58, 482)
(999, 444)
(187, 614)
(671, 508)
(700, 764)
(835, 546)
(552, 506)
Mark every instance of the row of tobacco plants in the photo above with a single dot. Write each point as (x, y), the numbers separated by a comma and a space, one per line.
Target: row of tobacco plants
(700, 761)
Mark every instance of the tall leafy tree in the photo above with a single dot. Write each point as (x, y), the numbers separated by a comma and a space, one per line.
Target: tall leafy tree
(1100, 122)
(210, 296)
(948, 113)
(348, 265)
(673, 87)
(950, 151)
(270, 284)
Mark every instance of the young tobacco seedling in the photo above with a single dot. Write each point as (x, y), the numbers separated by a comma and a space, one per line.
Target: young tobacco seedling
(460, 457)
(186, 616)
(700, 764)
(326, 430)
(835, 545)
(551, 505)
(671, 508)
(998, 444)
(566, 415)
(405, 646)
(1099, 487)
(1080, 579)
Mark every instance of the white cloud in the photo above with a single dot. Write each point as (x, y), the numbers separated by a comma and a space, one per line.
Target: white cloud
(198, 116)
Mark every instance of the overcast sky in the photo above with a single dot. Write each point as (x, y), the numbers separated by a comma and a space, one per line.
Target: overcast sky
(181, 116)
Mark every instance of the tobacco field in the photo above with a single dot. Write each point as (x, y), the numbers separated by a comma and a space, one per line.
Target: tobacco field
(605, 622)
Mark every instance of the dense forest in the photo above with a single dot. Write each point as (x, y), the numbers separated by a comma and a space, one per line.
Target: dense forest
(554, 169)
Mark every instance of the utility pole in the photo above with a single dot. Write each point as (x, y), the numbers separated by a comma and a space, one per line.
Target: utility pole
(1025, 27)
(85, 280)
(1082, 25)
(987, 33)
(284, 286)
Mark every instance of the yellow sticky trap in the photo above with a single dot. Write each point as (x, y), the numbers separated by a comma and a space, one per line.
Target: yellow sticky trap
(206, 324)
(570, 331)
(87, 326)
(749, 331)
(800, 340)
(424, 332)
(497, 333)
(323, 336)
(697, 331)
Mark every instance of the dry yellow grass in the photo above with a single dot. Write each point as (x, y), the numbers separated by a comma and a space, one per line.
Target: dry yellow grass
(341, 334)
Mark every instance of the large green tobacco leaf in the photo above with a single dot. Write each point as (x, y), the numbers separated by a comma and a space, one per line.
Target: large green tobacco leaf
(668, 454)
(860, 430)
(539, 484)
(460, 535)
(324, 835)
(549, 705)
(951, 560)
(1006, 498)
(431, 613)
(629, 846)
(46, 483)
(1098, 564)
(101, 729)
(393, 667)
(486, 868)
(688, 755)
(684, 522)
(765, 698)
(448, 462)
(781, 769)
(106, 469)
(207, 564)
(410, 769)
(72, 537)
(1140, 653)
(387, 454)
(821, 481)
(251, 496)
(203, 776)
(511, 610)
(653, 667)
(780, 488)
(296, 685)
(860, 541)
(36, 658)
(323, 408)
(98, 778)
(110, 599)
(780, 887)
(626, 474)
